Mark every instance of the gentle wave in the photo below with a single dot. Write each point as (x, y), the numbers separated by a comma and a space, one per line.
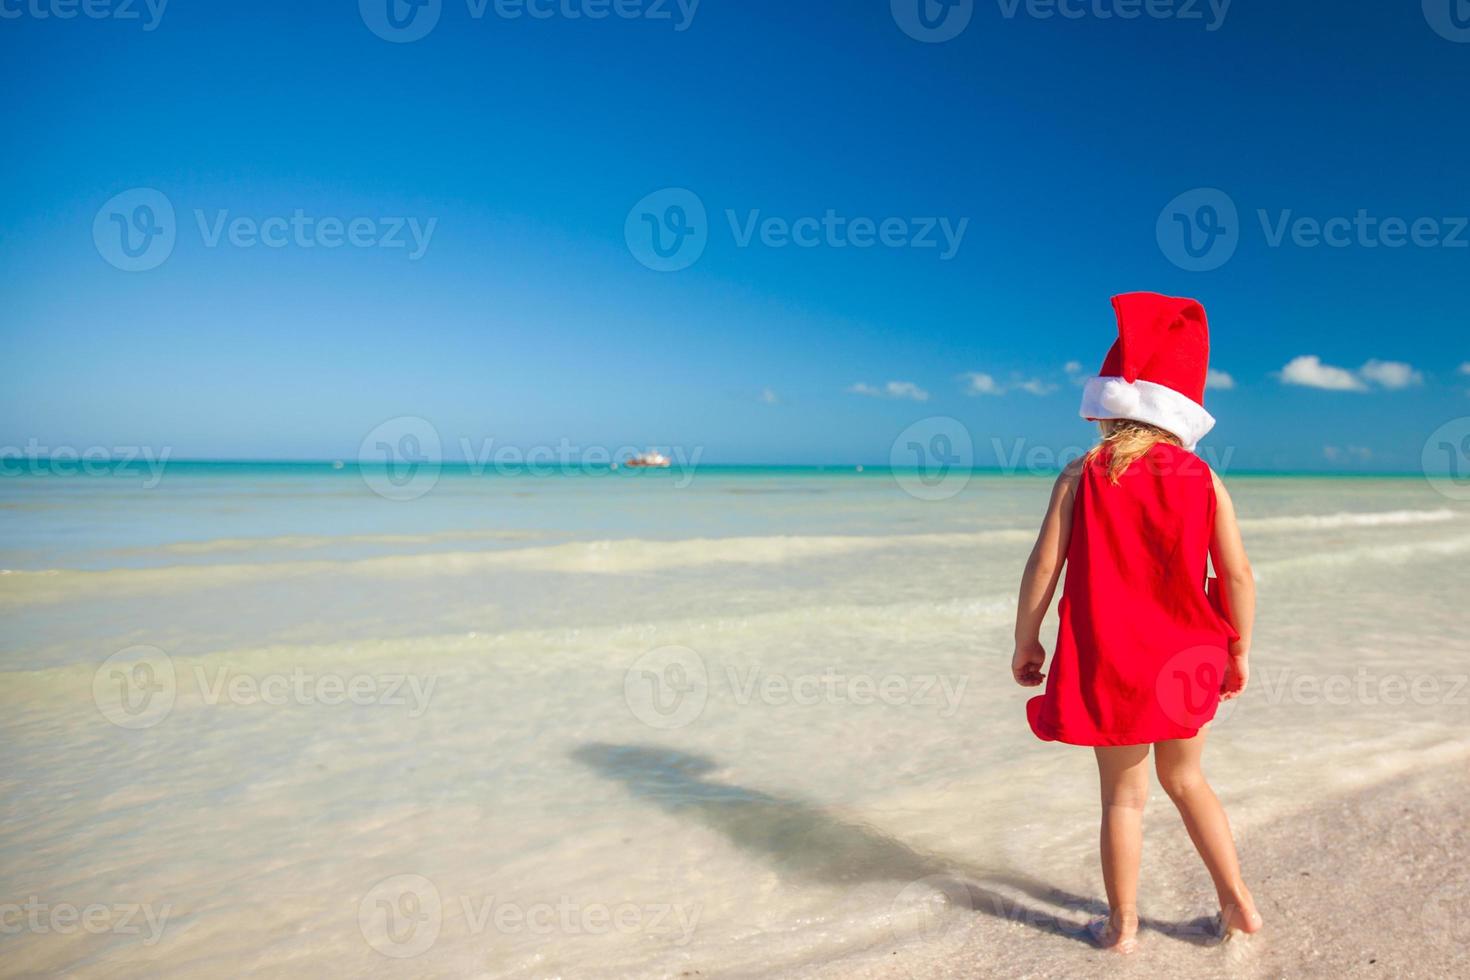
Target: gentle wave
(307, 542)
(1368, 554)
(612, 557)
(1327, 522)
(898, 621)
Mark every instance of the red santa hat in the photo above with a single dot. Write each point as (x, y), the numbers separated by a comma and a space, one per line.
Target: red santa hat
(1155, 371)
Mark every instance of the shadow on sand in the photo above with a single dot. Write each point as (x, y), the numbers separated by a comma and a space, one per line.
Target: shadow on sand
(804, 842)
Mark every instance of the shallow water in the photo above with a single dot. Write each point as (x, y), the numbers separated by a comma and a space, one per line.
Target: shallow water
(630, 725)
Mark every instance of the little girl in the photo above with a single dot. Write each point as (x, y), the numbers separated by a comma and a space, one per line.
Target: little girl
(1148, 645)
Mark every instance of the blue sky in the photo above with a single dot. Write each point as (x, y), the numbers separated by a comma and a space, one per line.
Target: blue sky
(525, 311)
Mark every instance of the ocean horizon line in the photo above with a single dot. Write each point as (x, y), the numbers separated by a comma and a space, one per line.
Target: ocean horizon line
(67, 466)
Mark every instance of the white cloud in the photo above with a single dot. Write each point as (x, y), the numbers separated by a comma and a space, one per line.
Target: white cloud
(1072, 367)
(1359, 454)
(1219, 380)
(1309, 372)
(893, 389)
(1465, 368)
(1391, 374)
(768, 396)
(980, 383)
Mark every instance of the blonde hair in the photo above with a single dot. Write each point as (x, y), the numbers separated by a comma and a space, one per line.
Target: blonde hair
(1127, 441)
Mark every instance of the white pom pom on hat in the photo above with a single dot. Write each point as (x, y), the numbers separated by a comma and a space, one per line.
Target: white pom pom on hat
(1155, 371)
(1119, 397)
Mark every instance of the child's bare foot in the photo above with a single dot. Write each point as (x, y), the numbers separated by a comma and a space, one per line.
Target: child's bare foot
(1238, 913)
(1117, 931)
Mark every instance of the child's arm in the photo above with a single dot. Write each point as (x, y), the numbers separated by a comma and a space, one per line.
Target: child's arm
(1233, 568)
(1039, 582)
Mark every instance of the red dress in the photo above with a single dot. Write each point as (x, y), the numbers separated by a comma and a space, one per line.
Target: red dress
(1141, 651)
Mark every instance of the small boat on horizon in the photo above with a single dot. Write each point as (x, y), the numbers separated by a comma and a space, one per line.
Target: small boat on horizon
(653, 459)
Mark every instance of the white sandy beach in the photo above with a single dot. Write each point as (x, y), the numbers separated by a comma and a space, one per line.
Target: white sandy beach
(758, 726)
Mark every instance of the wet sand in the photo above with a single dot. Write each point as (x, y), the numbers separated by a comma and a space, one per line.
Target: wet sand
(1372, 883)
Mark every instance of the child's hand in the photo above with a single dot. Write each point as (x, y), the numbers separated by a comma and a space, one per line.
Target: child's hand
(1026, 664)
(1237, 673)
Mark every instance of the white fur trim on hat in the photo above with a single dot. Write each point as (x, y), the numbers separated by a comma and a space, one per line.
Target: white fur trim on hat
(1145, 401)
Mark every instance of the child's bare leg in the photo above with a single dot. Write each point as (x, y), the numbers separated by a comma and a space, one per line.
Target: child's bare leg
(1123, 776)
(1178, 764)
